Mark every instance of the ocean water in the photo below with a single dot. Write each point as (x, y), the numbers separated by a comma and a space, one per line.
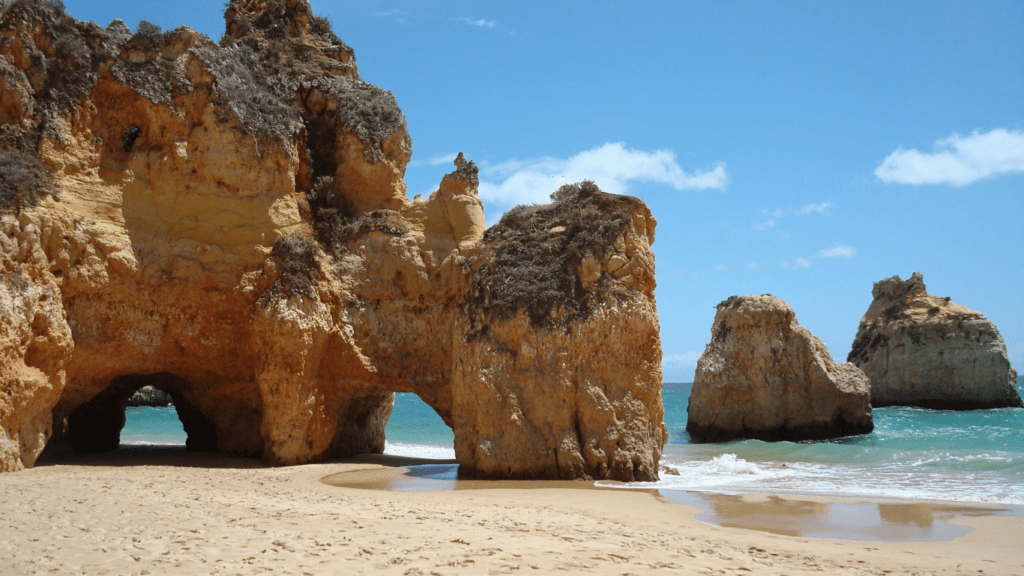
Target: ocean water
(970, 456)
(975, 456)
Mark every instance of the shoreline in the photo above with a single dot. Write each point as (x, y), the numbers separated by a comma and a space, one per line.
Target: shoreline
(394, 461)
(166, 511)
(862, 519)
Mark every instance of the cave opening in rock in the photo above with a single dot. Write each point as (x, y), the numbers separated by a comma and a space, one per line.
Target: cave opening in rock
(96, 425)
(152, 420)
(416, 429)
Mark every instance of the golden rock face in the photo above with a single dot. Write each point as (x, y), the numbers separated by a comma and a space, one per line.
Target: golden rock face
(764, 376)
(927, 351)
(231, 227)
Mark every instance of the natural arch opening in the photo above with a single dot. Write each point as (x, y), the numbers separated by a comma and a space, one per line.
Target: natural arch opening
(96, 425)
(416, 429)
(152, 421)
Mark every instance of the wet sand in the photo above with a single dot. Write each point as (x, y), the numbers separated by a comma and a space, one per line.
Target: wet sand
(172, 512)
(801, 516)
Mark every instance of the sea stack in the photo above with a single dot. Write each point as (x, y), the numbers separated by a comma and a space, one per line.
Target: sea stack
(228, 223)
(926, 351)
(764, 376)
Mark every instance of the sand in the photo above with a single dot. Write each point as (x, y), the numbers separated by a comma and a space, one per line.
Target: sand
(170, 512)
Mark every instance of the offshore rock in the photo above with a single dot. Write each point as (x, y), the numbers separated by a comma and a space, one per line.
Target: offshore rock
(926, 351)
(764, 376)
(150, 396)
(228, 224)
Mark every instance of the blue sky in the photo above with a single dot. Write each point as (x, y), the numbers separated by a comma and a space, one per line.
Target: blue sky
(802, 149)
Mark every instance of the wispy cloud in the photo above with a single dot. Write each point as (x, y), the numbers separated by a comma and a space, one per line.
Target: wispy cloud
(837, 251)
(958, 160)
(688, 359)
(840, 251)
(778, 213)
(439, 159)
(400, 16)
(479, 22)
(804, 211)
(799, 262)
(435, 160)
(612, 167)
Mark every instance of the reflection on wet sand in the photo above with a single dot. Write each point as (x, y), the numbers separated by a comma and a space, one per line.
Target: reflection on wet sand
(774, 515)
(864, 521)
(920, 515)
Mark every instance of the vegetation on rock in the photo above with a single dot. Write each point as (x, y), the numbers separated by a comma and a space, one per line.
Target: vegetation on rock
(537, 252)
(23, 179)
(299, 268)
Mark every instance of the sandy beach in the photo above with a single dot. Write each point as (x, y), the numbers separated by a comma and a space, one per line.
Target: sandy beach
(171, 512)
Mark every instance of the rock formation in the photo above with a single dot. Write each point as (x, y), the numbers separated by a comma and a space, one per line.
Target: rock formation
(764, 376)
(150, 396)
(558, 354)
(228, 224)
(926, 351)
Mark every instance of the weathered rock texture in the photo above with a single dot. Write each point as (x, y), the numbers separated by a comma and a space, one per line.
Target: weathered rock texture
(228, 224)
(150, 396)
(764, 376)
(558, 354)
(921, 350)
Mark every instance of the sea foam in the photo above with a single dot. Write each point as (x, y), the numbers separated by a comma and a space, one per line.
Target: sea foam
(419, 451)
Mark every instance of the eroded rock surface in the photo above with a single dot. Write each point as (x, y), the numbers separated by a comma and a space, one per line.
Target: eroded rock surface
(558, 354)
(926, 351)
(764, 376)
(228, 224)
(150, 396)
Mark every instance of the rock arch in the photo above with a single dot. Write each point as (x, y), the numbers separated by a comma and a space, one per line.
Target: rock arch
(254, 251)
(96, 425)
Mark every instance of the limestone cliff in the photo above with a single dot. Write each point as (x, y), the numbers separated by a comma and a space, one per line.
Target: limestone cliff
(764, 376)
(228, 223)
(922, 350)
(558, 350)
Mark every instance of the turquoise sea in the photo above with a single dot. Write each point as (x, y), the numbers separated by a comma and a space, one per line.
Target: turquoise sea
(975, 456)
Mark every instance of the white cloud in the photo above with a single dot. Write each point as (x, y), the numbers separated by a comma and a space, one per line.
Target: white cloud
(398, 15)
(957, 161)
(808, 210)
(442, 159)
(611, 167)
(434, 160)
(481, 22)
(689, 359)
(815, 209)
(805, 211)
(721, 268)
(840, 251)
